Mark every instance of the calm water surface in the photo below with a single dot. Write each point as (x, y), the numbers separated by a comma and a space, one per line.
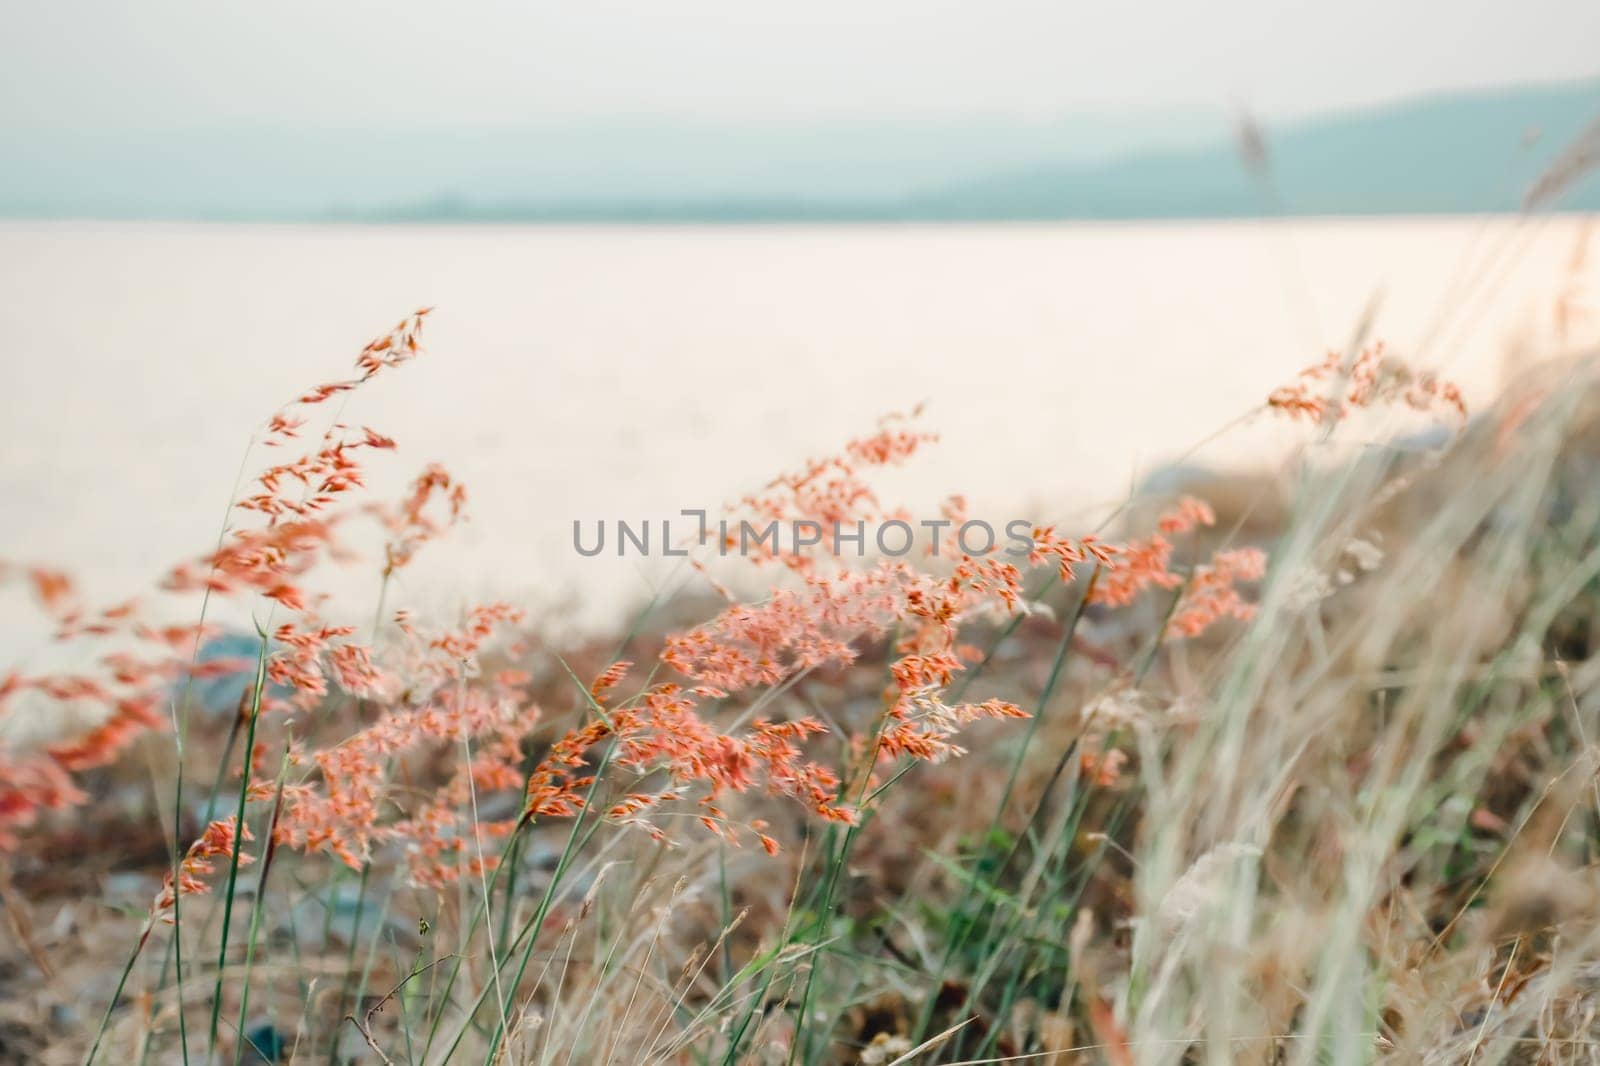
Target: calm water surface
(629, 372)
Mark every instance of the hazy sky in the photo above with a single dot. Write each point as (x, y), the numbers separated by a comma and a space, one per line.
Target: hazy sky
(132, 64)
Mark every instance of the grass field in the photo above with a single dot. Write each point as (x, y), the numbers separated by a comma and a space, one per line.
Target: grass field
(1294, 767)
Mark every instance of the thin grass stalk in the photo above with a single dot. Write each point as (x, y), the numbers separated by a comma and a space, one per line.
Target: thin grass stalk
(1054, 888)
(836, 863)
(725, 899)
(483, 881)
(211, 812)
(537, 921)
(180, 732)
(954, 943)
(350, 953)
(238, 847)
(269, 850)
(782, 943)
(472, 928)
(495, 874)
(116, 995)
(366, 867)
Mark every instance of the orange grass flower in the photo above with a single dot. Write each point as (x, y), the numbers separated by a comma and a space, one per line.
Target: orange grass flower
(1330, 390)
(219, 841)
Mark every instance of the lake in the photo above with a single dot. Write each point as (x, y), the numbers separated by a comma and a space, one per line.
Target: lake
(629, 372)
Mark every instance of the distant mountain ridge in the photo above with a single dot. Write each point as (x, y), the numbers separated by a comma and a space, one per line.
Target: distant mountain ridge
(1456, 153)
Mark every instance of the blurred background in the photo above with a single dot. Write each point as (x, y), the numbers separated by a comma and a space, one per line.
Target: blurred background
(676, 249)
(714, 109)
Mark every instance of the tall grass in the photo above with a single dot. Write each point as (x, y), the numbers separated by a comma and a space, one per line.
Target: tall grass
(1327, 798)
